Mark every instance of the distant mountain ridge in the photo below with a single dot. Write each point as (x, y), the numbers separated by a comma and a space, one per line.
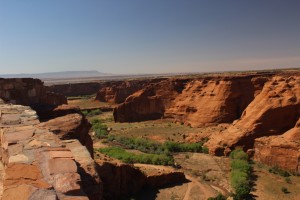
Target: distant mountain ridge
(56, 75)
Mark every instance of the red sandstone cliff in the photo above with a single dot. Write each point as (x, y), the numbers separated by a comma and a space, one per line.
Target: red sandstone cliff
(29, 92)
(281, 151)
(149, 103)
(118, 91)
(273, 111)
(193, 101)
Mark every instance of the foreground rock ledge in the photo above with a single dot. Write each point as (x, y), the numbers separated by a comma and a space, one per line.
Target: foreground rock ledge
(38, 165)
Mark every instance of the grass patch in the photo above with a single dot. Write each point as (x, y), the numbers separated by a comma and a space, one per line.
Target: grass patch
(240, 174)
(91, 113)
(99, 128)
(128, 157)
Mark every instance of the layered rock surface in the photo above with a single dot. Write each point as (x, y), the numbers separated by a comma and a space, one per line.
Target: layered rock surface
(71, 126)
(38, 165)
(29, 92)
(273, 111)
(282, 151)
(193, 101)
(124, 180)
(118, 91)
(149, 103)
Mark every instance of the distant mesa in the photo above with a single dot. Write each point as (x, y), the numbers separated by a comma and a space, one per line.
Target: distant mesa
(57, 75)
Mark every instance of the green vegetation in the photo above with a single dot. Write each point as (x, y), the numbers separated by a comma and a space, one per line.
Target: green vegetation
(281, 172)
(91, 113)
(219, 197)
(285, 190)
(128, 157)
(99, 128)
(149, 146)
(240, 174)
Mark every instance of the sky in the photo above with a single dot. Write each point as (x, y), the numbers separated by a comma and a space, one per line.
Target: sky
(148, 36)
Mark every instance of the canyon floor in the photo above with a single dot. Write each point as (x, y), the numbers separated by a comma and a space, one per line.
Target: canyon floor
(206, 175)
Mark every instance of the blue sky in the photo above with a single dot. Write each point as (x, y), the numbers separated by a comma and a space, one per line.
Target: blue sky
(148, 36)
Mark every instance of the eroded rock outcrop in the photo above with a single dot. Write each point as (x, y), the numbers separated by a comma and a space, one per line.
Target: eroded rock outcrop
(282, 151)
(29, 92)
(273, 111)
(124, 180)
(212, 100)
(193, 101)
(149, 103)
(37, 163)
(71, 126)
(118, 91)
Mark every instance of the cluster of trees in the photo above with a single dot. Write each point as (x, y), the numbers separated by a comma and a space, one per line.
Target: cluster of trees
(149, 146)
(128, 157)
(240, 174)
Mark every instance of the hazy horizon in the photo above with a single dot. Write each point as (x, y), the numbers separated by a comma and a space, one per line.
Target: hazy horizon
(148, 37)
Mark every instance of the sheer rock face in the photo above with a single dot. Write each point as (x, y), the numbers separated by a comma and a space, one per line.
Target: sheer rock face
(194, 101)
(118, 91)
(282, 151)
(71, 126)
(149, 103)
(124, 180)
(29, 92)
(273, 111)
(37, 163)
(212, 100)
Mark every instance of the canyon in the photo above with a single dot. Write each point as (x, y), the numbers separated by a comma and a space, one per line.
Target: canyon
(47, 147)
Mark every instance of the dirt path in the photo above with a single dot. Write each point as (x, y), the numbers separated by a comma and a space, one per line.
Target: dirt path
(205, 190)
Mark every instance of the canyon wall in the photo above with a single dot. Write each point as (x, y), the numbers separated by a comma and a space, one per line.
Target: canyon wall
(192, 101)
(29, 92)
(118, 91)
(281, 151)
(77, 89)
(149, 103)
(273, 111)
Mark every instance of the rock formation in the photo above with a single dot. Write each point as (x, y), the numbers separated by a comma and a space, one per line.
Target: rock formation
(193, 101)
(37, 163)
(29, 92)
(71, 126)
(273, 111)
(77, 89)
(281, 151)
(149, 103)
(124, 180)
(118, 91)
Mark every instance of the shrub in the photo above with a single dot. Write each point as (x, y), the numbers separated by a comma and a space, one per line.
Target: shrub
(219, 197)
(288, 180)
(281, 172)
(238, 154)
(91, 113)
(99, 128)
(285, 190)
(128, 157)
